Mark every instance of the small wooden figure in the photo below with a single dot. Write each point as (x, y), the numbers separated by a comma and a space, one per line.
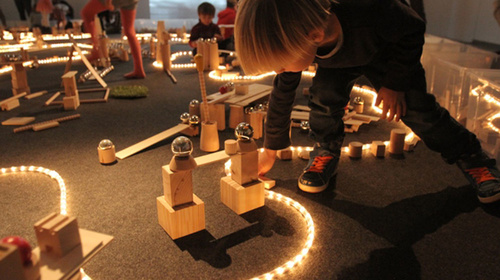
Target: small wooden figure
(72, 99)
(106, 152)
(180, 212)
(397, 141)
(57, 234)
(242, 191)
(19, 79)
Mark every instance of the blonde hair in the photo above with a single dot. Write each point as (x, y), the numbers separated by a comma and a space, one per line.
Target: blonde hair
(269, 34)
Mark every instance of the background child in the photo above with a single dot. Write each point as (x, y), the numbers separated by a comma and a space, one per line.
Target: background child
(205, 28)
(128, 10)
(380, 39)
(45, 7)
(227, 16)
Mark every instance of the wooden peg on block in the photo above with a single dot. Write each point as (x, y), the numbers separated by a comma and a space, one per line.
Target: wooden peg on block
(231, 146)
(57, 234)
(377, 149)
(397, 141)
(240, 89)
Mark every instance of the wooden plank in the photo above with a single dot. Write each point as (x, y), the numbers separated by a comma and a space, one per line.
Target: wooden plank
(219, 98)
(302, 108)
(256, 91)
(213, 157)
(36, 94)
(45, 125)
(296, 115)
(87, 63)
(5, 101)
(18, 121)
(150, 141)
(27, 127)
(52, 98)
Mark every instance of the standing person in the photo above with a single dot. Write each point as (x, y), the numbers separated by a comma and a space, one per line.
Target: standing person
(380, 39)
(45, 7)
(128, 11)
(205, 28)
(24, 8)
(227, 16)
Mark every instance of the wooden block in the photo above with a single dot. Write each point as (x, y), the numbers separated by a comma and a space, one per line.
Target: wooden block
(231, 146)
(377, 148)
(241, 89)
(236, 115)
(348, 115)
(57, 234)
(11, 266)
(302, 108)
(180, 221)
(285, 154)
(71, 102)
(355, 150)
(18, 121)
(182, 163)
(177, 186)
(10, 105)
(10, 99)
(411, 144)
(397, 141)
(241, 199)
(69, 82)
(268, 183)
(299, 115)
(106, 156)
(244, 167)
(45, 125)
(32, 270)
(256, 121)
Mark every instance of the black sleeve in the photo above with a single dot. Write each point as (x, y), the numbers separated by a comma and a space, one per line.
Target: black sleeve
(403, 30)
(281, 101)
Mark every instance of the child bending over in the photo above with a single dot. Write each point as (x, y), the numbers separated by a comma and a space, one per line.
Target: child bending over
(380, 39)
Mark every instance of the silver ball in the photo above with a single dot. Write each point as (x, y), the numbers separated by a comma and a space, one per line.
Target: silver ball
(194, 102)
(105, 144)
(260, 107)
(243, 131)
(182, 146)
(358, 100)
(194, 120)
(185, 117)
(249, 110)
(304, 125)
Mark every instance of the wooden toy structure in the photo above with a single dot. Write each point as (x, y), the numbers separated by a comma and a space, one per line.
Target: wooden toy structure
(209, 141)
(11, 102)
(62, 250)
(209, 50)
(242, 191)
(180, 211)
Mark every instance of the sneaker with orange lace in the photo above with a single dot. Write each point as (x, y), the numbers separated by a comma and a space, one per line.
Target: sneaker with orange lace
(482, 173)
(321, 167)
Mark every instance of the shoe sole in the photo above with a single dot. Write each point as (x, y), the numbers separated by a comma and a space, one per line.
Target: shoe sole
(489, 199)
(319, 189)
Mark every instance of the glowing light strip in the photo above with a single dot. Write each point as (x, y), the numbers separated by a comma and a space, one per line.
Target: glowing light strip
(372, 92)
(51, 173)
(289, 265)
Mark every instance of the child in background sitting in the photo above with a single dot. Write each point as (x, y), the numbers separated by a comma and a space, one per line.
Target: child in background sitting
(205, 28)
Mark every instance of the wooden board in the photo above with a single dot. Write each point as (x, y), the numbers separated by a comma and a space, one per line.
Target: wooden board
(213, 157)
(150, 141)
(255, 92)
(18, 121)
(87, 63)
(302, 116)
(302, 108)
(67, 266)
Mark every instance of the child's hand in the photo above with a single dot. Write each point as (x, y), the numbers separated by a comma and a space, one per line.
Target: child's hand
(218, 37)
(394, 103)
(266, 161)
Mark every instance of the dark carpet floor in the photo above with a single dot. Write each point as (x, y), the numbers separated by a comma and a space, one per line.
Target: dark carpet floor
(410, 218)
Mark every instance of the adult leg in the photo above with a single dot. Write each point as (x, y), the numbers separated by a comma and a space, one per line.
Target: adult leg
(20, 9)
(92, 8)
(128, 20)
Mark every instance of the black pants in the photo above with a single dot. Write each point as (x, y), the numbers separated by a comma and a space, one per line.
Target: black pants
(329, 94)
(24, 8)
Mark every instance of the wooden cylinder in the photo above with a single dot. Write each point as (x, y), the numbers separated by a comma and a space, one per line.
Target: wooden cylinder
(355, 149)
(213, 55)
(397, 141)
(231, 146)
(209, 138)
(194, 109)
(165, 56)
(106, 156)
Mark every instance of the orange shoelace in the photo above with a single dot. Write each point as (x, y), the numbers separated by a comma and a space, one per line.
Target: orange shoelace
(481, 174)
(319, 163)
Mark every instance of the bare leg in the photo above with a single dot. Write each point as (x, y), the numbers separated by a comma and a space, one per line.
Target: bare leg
(128, 20)
(92, 8)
